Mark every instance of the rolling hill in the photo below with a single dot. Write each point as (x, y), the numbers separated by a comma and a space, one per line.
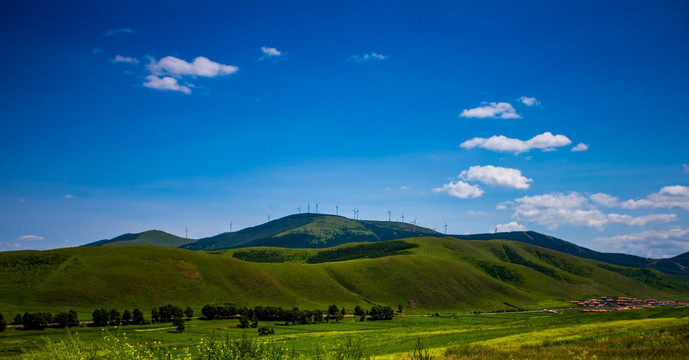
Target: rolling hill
(151, 237)
(311, 231)
(432, 274)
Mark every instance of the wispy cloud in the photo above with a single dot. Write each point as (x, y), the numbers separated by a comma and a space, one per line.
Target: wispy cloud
(651, 243)
(460, 189)
(124, 59)
(68, 196)
(556, 209)
(529, 101)
(368, 57)
(497, 176)
(495, 110)
(686, 168)
(120, 31)
(30, 238)
(668, 197)
(544, 142)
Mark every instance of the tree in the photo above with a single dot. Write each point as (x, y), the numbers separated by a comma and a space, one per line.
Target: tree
(72, 318)
(100, 317)
(178, 323)
(243, 322)
(17, 320)
(378, 312)
(115, 317)
(189, 313)
(265, 330)
(332, 309)
(126, 317)
(343, 311)
(155, 316)
(36, 321)
(137, 317)
(209, 312)
(3, 324)
(61, 319)
(400, 308)
(358, 311)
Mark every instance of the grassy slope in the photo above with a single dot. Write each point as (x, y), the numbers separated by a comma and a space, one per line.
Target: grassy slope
(152, 237)
(439, 275)
(310, 231)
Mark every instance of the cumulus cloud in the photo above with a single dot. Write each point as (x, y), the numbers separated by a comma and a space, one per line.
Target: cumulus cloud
(529, 101)
(544, 142)
(556, 209)
(165, 83)
(494, 110)
(651, 243)
(512, 226)
(460, 189)
(496, 176)
(368, 57)
(201, 66)
(580, 147)
(166, 72)
(124, 59)
(272, 54)
(668, 197)
(120, 31)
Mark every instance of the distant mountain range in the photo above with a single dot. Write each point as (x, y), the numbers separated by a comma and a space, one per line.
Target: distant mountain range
(321, 231)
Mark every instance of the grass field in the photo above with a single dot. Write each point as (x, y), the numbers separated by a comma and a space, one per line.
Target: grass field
(661, 333)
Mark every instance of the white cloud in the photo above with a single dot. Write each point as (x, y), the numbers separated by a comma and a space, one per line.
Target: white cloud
(460, 189)
(605, 199)
(477, 213)
(165, 83)
(69, 196)
(556, 209)
(642, 220)
(668, 197)
(529, 101)
(686, 168)
(124, 31)
(545, 142)
(270, 51)
(494, 110)
(124, 59)
(513, 226)
(652, 243)
(580, 147)
(368, 57)
(30, 238)
(497, 176)
(201, 66)
(405, 187)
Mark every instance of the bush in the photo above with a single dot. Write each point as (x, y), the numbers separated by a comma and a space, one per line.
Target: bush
(265, 330)
(178, 323)
(3, 324)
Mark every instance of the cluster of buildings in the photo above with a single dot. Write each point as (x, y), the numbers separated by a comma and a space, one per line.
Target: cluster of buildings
(607, 303)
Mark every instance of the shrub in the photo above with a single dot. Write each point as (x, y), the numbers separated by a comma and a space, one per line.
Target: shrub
(265, 330)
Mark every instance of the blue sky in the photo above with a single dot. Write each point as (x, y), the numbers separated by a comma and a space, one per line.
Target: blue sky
(563, 118)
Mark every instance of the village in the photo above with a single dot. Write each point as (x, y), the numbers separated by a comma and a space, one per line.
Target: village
(606, 303)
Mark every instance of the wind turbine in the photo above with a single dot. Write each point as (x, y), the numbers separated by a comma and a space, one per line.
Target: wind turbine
(389, 213)
(308, 207)
(230, 226)
(316, 207)
(268, 215)
(299, 208)
(337, 209)
(402, 217)
(354, 214)
(186, 232)
(446, 228)
(414, 222)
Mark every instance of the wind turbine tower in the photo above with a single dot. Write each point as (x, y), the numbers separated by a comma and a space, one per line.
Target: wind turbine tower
(446, 228)
(316, 207)
(230, 226)
(186, 232)
(389, 213)
(337, 209)
(308, 207)
(268, 215)
(299, 209)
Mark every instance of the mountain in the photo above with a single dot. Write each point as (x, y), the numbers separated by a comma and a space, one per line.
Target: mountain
(431, 274)
(311, 231)
(151, 237)
(678, 265)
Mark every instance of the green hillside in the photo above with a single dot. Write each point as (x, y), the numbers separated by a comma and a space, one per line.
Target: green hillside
(152, 237)
(677, 266)
(434, 274)
(311, 231)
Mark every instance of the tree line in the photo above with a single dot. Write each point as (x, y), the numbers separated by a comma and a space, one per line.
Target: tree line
(248, 317)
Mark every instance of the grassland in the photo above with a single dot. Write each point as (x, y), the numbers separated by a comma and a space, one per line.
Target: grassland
(660, 333)
(443, 275)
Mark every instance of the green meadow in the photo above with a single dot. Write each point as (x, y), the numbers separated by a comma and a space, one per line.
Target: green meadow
(659, 333)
